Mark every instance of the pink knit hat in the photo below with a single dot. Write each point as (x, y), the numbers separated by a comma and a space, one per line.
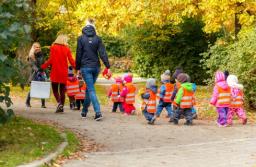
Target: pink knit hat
(219, 76)
(118, 79)
(128, 78)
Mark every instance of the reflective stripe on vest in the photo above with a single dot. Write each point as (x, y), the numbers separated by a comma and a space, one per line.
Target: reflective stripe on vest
(72, 88)
(224, 96)
(149, 104)
(168, 92)
(116, 89)
(81, 94)
(187, 100)
(130, 97)
(237, 101)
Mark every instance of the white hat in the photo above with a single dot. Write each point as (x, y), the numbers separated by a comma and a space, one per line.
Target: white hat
(232, 81)
(90, 22)
(166, 76)
(150, 82)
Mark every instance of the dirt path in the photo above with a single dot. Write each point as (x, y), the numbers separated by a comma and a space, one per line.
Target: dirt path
(130, 142)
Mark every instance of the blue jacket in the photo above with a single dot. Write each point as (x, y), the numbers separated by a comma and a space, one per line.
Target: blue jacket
(147, 95)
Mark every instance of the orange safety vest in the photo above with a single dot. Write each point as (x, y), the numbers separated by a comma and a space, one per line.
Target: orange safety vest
(237, 102)
(116, 90)
(150, 103)
(168, 92)
(130, 97)
(72, 88)
(187, 100)
(224, 97)
(81, 94)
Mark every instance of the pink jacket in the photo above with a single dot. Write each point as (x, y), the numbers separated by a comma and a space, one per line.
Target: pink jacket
(219, 82)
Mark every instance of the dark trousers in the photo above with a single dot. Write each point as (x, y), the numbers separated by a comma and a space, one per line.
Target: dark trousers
(187, 112)
(116, 104)
(79, 102)
(28, 100)
(59, 92)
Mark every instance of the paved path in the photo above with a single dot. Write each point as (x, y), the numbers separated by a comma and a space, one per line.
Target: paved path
(130, 142)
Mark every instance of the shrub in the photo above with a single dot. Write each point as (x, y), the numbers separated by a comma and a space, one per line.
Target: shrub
(238, 58)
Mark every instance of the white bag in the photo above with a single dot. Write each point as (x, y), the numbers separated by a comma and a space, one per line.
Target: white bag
(40, 89)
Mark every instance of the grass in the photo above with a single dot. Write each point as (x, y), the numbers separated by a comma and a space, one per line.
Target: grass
(73, 144)
(22, 141)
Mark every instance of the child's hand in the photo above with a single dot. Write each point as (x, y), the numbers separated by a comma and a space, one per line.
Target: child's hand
(141, 91)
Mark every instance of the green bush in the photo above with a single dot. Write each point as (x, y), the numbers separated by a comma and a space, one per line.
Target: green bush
(238, 58)
(156, 49)
(115, 46)
(15, 29)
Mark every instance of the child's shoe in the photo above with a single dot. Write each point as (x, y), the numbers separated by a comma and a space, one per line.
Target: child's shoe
(194, 116)
(175, 121)
(152, 121)
(188, 123)
(244, 121)
(133, 112)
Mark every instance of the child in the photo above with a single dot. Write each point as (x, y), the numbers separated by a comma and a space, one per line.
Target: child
(165, 93)
(114, 93)
(177, 71)
(72, 87)
(80, 96)
(148, 106)
(128, 93)
(237, 97)
(184, 100)
(221, 98)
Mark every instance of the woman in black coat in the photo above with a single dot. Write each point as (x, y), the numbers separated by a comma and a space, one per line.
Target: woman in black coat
(36, 59)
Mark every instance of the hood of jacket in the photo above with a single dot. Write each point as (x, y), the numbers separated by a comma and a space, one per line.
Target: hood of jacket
(89, 31)
(188, 86)
(153, 88)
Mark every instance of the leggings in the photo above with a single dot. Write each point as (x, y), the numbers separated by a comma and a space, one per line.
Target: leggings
(59, 92)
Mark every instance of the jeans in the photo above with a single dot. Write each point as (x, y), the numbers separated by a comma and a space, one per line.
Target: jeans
(187, 113)
(167, 106)
(116, 104)
(90, 76)
(148, 115)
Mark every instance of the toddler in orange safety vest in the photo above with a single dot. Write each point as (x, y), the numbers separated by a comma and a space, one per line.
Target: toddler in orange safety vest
(115, 92)
(165, 93)
(221, 98)
(148, 106)
(80, 95)
(184, 100)
(128, 93)
(237, 100)
(72, 87)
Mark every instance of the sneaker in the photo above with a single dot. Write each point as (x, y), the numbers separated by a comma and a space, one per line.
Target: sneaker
(176, 122)
(59, 109)
(28, 105)
(43, 106)
(152, 121)
(244, 121)
(188, 123)
(171, 119)
(98, 117)
(83, 115)
(133, 112)
(194, 116)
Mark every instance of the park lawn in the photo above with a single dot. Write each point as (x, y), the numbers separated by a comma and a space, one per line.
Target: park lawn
(22, 141)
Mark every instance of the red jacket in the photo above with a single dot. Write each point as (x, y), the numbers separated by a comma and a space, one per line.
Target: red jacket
(58, 60)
